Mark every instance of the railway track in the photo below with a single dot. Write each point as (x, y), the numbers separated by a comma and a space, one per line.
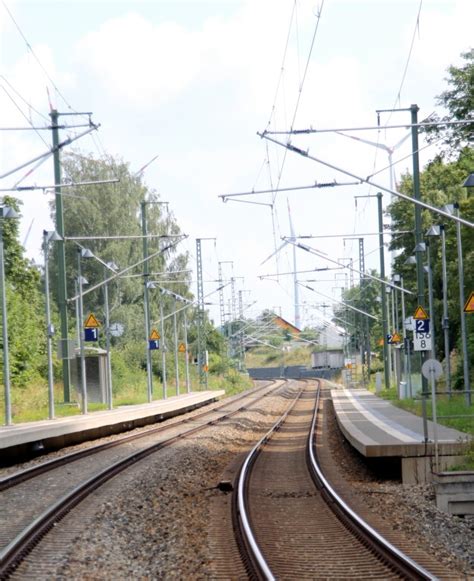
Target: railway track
(292, 524)
(64, 482)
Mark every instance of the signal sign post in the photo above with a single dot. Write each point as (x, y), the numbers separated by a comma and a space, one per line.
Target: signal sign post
(420, 343)
(469, 306)
(91, 328)
(154, 340)
(91, 332)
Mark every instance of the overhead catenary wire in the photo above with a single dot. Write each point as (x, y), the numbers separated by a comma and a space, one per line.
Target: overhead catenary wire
(35, 56)
(300, 91)
(416, 29)
(25, 116)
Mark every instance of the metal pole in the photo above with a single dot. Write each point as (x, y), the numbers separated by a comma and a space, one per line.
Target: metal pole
(430, 300)
(435, 417)
(163, 348)
(241, 336)
(465, 355)
(445, 322)
(406, 344)
(383, 294)
(420, 280)
(186, 353)
(391, 329)
(149, 369)
(78, 321)
(61, 258)
(49, 328)
(81, 337)
(107, 344)
(176, 362)
(6, 367)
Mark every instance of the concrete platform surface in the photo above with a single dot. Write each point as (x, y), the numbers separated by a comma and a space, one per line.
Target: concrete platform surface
(377, 428)
(19, 440)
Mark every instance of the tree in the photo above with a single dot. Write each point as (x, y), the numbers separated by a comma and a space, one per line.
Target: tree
(459, 102)
(441, 183)
(114, 210)
(99, 217)
(365, 297)
(25, 310)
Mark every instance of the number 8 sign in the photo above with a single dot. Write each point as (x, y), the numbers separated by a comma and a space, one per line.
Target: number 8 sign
(422, 342)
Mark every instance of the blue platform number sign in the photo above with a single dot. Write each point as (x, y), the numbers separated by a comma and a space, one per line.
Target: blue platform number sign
(91, 334)
(153, 344)
(91, 328)
(422, 325)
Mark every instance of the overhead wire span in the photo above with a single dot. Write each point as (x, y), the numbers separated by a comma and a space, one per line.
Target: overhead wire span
(289, 189)
(51, 151)
(378, 186)
(310, 130)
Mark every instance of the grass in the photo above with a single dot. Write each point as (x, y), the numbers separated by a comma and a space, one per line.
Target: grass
(447, 408)
(267, 357)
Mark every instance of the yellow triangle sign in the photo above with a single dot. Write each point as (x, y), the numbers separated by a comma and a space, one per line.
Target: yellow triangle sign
(91, 322)
(396, 338)
(154, 335)
(182, 348)
(420, 313)
(469, 306)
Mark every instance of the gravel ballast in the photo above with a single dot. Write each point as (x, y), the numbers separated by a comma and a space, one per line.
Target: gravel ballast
(154, 522)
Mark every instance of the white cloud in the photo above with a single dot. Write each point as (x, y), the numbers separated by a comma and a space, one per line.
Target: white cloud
(145, 63)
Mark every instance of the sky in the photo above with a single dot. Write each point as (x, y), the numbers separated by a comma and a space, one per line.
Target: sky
(193, 82)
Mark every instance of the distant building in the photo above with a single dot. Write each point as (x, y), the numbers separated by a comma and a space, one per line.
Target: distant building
(283, 324)
(332, 337)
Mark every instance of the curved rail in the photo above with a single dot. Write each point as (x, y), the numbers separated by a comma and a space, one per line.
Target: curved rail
(257, 560)
(384, 547)
(22, 544)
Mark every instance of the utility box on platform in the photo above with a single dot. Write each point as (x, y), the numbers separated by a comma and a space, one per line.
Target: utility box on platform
(96, 374)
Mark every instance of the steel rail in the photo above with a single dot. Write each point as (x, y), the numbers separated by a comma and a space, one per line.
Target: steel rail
(24, 475)
(12, 555)
(382, 545)
(257, 560)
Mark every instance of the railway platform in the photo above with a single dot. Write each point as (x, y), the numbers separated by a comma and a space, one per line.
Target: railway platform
(20, 441)
(378, 429)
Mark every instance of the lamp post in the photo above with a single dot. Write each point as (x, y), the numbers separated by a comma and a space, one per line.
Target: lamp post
(386, 356)
(176, 362)
(406, 343)
(5, 212)
(440, 230)
(82, 253)
(429, 272)
(163, 349)
(186, 353)
(146, 271)
(47, 238)
(465, 355)
(113, 267)
(413, 260)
